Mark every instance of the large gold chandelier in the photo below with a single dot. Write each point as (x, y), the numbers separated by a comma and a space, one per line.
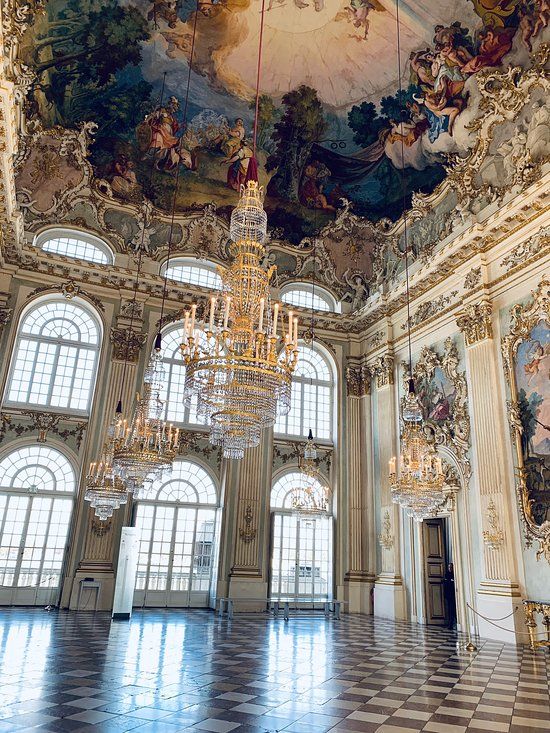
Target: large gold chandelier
(145, 447)
(237, 365)
(418, 487)
(309, 496)
(104, 489)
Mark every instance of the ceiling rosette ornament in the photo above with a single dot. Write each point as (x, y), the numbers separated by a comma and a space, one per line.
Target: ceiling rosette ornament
(526, 356)
(443, 395)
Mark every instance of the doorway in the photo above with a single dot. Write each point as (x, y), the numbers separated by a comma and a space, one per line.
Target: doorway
(439, 586)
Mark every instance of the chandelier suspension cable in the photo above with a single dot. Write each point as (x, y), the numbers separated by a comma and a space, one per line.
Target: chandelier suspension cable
(177, 180)
(118, 410)
(258, 75)
(404, 189)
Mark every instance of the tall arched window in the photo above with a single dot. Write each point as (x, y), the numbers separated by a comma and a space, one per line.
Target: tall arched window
(312, 401)
(194, 272)
(37, 487)
(80, 245)
(177, 525)
(174, 382)
(301, 552)
(304, 295)
(55, 357)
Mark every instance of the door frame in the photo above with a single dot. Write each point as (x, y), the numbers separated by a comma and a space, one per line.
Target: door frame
(445, 530)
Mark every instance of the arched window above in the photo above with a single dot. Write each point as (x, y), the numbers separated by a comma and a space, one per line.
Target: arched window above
(313, 395)
(174, 382)
(80, 245)
(54, 363)
(37, 468)
(194, 272)
(287, 485)
(188, 483)
(305, 295)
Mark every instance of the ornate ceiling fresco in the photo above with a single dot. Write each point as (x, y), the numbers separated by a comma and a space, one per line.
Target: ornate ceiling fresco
(102, 125)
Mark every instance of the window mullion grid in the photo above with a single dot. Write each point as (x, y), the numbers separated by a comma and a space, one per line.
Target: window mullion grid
(150, 552)
(46, 540)
(52, 374)
(34, 365)
(22, 542)
(193, 546)
(171, 556)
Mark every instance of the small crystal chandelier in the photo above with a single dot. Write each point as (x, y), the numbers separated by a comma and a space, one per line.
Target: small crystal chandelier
(418, 487)
(145, 447)
(234, 364)
(104, 489)
(309, 496)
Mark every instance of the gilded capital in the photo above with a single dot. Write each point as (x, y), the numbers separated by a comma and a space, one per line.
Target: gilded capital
(475, 323)
(358, 380)
(126, 344)
(382, 369)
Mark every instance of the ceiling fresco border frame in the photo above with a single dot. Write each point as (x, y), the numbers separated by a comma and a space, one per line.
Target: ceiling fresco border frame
(524, 317)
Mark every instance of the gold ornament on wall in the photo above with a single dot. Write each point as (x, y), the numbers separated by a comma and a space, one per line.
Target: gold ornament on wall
(494, 536)
(247, 533)
(386, 537)
(526, 355)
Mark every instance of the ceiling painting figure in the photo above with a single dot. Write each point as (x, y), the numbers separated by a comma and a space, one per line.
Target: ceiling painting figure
(330, 111)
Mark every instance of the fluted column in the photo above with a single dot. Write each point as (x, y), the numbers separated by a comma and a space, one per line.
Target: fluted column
(389, 597)
(248, 572)
(100, 544)
(361, 552)
(498, 592)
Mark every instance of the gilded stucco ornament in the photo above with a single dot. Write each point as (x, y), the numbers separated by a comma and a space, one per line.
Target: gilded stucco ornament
(529, 250)
(475, 322)
(429, 310)
(68, 290)
(248, 532)
(385, 539)
(382, 370)
(473, 278)
(525, 317)
(126, 344)
(358, 379)
(443, 394)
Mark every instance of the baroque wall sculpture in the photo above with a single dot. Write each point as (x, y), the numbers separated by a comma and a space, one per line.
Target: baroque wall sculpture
(526, 352)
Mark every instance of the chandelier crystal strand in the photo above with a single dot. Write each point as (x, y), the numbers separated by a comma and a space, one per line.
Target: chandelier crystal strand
(145, 447)
(105, 490)
(237, 364)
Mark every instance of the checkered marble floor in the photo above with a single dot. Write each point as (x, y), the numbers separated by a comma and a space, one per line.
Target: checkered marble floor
(170, 671)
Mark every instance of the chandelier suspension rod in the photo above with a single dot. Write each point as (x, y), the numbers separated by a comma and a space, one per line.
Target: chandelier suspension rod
(258, 74)
(118, 410)
(177, 181)
(404, 189)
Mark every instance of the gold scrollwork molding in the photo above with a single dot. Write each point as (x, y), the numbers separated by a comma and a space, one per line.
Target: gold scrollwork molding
(386, 538)
(127, 344)
(101, 528)
(528, 251)
(358, 380)
(475, 322)
(69, 290)
(382, 370)
(530, 467)
(248, 532)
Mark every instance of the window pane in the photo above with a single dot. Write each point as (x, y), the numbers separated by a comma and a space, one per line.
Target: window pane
(195, 274)
(305, 298)
(78, 248)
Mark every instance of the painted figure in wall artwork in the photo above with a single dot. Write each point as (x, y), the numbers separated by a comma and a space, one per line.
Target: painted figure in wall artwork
(532, 373)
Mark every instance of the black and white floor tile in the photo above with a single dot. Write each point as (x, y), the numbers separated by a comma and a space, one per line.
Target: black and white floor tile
(170, 671)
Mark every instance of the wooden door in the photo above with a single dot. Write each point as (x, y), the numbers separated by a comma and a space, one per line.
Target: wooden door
(434, 571)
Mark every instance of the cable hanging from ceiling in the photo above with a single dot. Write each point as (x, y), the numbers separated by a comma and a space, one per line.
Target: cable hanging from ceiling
(417, 484)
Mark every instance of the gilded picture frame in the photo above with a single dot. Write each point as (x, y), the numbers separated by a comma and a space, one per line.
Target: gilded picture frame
(526, 354)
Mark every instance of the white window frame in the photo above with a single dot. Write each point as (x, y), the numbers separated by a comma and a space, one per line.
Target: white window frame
(314, 382)
(205, 265)
(58, 343)
(309, 289)
(48, 235)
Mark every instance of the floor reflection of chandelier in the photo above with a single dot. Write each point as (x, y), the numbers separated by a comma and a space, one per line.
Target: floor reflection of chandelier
(145, 447)
(418, 487)
(235, 364)
(104, 490)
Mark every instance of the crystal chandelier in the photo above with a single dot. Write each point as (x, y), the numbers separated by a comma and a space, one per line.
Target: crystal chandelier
(309, 496)
(418, 487)
(236, 367)
(104, 489)
(145, 447)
